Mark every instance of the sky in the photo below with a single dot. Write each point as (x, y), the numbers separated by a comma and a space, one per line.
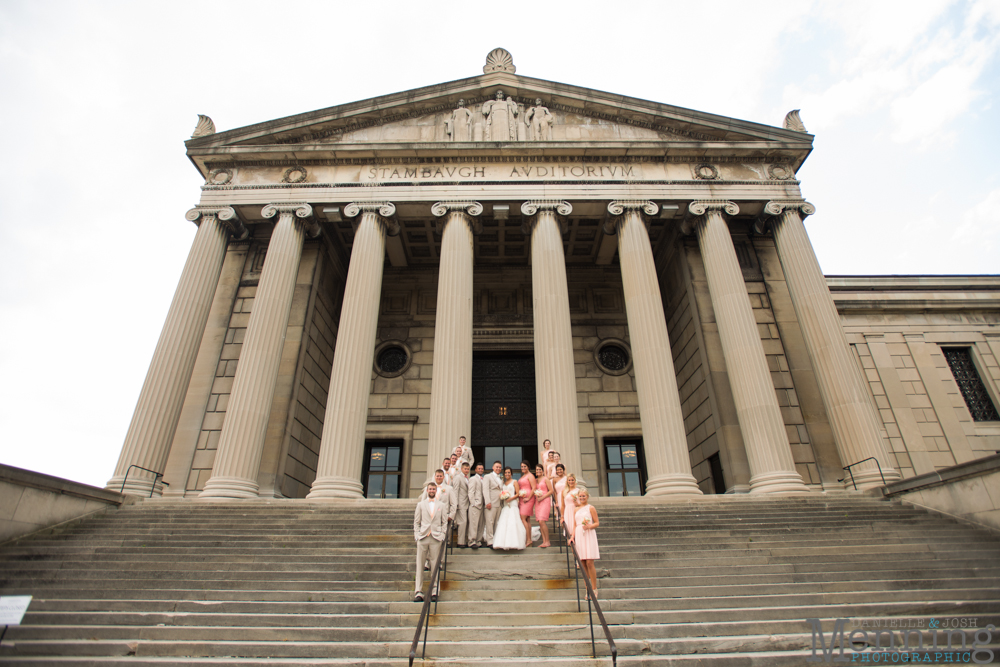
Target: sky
(97, 98)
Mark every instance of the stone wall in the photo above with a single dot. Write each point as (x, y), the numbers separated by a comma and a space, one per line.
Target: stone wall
(969, 492)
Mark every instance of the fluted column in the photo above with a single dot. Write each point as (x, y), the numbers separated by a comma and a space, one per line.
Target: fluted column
(234, 474)
(668, 464)
(147, 442)
(338, 473)
(772, 467)
(451, 385)
(555, 373)
(852, 417)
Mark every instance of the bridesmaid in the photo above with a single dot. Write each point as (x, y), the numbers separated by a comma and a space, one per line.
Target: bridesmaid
(558, 485)
(585, 537)
(568, 503)
(527, 500)
(543, 504)
(546, 448)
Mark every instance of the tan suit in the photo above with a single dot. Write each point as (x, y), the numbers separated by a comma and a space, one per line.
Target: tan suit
(466, 457)
(445, 493)
(476, 506)
(461, 487)
(430, 525)
(492, 486)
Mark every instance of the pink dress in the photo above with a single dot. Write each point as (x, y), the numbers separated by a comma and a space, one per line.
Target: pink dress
(543, 507)
(560, 487)
(585, 540)
(526, 504)
(569, 510)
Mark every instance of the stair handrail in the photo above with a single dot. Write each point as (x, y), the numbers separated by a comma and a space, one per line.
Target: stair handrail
(436, 570)
(157, 476)
(848, 469)
(592, 603)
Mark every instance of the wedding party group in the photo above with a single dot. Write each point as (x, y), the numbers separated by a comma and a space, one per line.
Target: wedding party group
(494, 510)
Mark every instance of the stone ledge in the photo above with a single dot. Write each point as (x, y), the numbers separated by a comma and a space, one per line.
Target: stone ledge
(37, 480)
(944, 476)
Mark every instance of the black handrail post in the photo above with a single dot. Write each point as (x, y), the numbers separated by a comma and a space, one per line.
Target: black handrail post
(593, 645)
(849, 469)
(852, 478)
(156, 476)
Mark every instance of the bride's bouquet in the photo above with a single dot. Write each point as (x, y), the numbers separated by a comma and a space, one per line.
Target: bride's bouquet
(505, 496)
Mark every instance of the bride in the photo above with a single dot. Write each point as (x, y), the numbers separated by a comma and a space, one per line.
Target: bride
(509, 533)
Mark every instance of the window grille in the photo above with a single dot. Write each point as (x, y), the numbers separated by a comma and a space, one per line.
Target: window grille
(972, 387)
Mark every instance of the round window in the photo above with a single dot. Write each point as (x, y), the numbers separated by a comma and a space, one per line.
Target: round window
(613, 356)
(392, 358)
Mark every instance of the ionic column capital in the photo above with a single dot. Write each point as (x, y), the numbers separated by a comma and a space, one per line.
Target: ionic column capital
(776, 207)
(618, 207)
(300, 210)
(226, 215)
(385, 212)
(471, 208)
(532, 207)
(701, 207)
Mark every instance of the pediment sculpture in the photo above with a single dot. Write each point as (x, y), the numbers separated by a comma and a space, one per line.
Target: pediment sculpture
(539, 121)
(501, 118)
(459, 126)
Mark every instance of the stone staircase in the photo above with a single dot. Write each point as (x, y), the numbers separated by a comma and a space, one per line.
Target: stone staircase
(719, 581)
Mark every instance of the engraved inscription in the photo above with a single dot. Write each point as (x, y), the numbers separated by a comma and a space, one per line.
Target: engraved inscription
(488, 172)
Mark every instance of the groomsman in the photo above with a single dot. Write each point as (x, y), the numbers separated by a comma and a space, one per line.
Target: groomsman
(445, 494)
(476, 506)
(448, 473)
(461, 487)
(464, 452)
(455, 470)
(429, 528)
(492, 486)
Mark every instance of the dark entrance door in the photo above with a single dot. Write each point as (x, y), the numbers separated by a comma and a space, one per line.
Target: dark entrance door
(503, 411)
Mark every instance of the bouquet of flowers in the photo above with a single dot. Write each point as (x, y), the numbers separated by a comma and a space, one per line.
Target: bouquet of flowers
(505, 495)
(586, 521)
(539, 493)
(523, 493)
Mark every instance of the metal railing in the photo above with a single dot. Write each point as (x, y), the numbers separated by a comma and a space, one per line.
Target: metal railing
(848, 469)
(157, 475)
(439, 568)
(592, 604)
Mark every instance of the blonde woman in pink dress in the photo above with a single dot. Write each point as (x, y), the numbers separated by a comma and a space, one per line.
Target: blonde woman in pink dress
(526, 496)
(543, 504)
(568, 503)
(585, 538)
(558, 485)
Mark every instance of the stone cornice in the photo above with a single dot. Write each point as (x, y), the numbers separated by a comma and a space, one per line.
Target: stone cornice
(227, 217)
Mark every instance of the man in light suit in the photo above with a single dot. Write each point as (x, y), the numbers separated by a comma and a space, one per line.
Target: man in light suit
(492, 486)
(460, 485)
(445, 493)
(476, 506)
(449, 474)
(464, 452)
(430, 524)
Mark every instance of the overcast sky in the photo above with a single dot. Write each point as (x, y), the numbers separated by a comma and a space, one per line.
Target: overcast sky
(96, 99)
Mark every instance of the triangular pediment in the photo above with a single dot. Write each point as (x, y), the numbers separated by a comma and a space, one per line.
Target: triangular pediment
(568, 119)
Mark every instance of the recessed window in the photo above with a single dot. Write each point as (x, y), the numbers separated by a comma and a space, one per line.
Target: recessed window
(613, 356)
(970, 384)
(392, 358)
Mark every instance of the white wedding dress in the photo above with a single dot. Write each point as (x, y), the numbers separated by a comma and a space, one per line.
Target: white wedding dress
(509, 533)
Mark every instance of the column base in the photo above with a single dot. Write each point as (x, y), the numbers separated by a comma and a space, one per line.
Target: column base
(673, 485)
(781, 481)
(229, 487)
(135, 486)
(870, 479)
(336, 487)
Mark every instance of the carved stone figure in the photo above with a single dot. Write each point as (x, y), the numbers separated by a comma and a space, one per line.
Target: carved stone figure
(501, 119)
(459, 126)
(540, 121)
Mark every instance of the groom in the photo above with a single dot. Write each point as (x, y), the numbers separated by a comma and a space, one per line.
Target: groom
(492, 486)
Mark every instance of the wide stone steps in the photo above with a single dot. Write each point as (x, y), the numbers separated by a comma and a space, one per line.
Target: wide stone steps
(719, 581)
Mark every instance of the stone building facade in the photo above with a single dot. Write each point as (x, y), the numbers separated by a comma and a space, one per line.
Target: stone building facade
(513, 259)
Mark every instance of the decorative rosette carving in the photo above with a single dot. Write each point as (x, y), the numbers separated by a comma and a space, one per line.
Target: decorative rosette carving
(472, 208)
(226, 215)
(617, 207)
(706, 172)
(204, 127)
(219, 177)
(296, 174)
(499, 60)
(303, 211)
(385, 210)
(779, 172)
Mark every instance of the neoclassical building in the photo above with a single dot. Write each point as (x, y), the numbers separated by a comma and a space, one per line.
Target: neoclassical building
(513, 259)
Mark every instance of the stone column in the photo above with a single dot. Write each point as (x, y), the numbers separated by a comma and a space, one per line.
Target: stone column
(555, 371)
(852, 417)
(668, 464)
(234, 474)
(147, 442)
(338, 473)
(772, 467)
(451, 385)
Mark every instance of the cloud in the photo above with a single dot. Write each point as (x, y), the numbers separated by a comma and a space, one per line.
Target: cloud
(981, 223)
